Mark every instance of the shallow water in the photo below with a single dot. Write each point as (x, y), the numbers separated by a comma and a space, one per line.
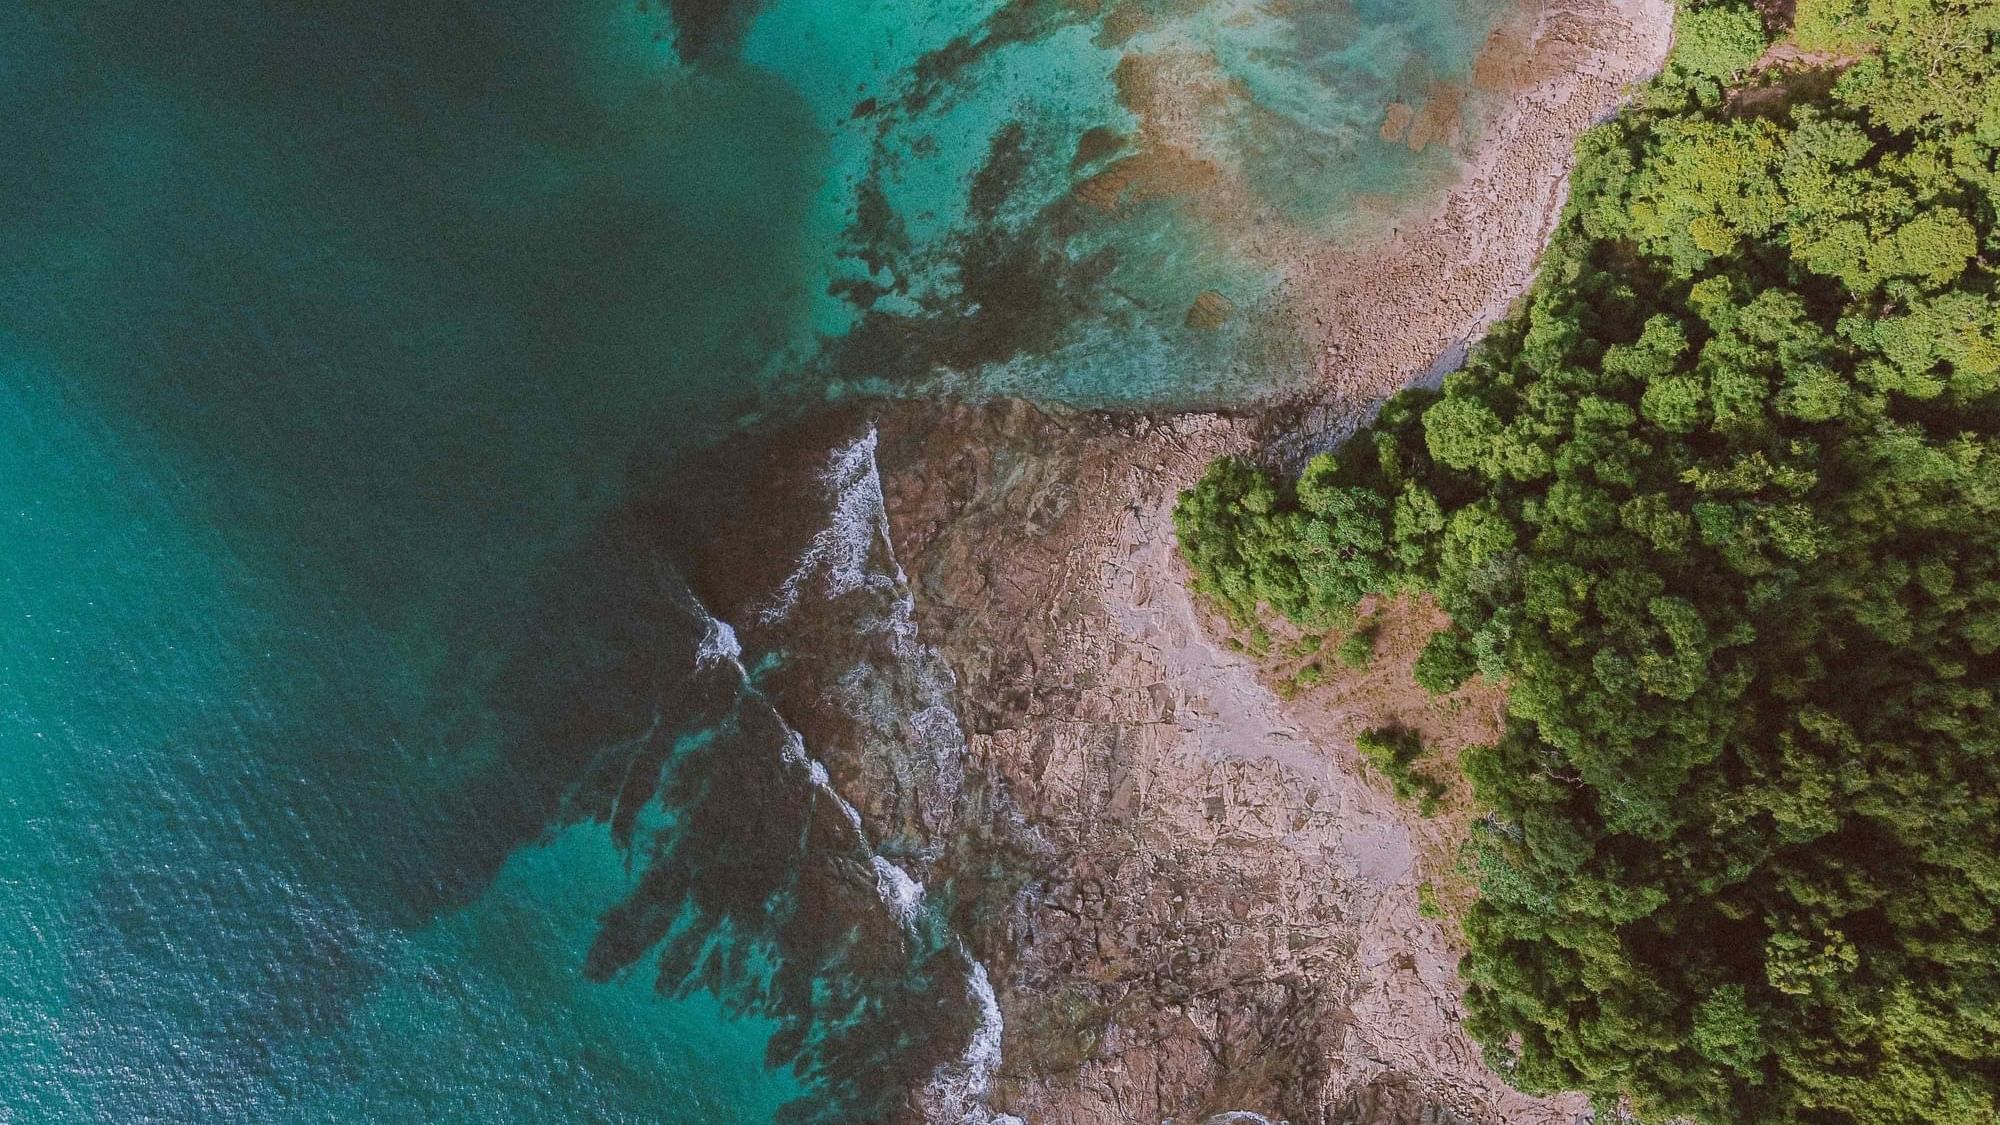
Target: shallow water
(367, 754)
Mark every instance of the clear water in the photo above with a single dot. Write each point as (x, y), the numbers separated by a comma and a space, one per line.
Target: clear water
(359, 759)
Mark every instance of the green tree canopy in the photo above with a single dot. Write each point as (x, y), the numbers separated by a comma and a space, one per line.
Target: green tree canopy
(1721, 503)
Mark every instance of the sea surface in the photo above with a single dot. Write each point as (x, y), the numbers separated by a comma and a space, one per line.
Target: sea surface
(370, 748)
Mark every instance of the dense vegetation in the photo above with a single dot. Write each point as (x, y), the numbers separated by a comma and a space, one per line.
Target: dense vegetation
(1721, 505)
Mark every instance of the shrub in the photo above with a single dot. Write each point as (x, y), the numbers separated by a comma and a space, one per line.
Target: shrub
(1358, 649)
(1446, 662)
(1394, 751)
(1721, 503)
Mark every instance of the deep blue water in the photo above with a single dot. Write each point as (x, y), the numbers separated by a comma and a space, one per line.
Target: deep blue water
(368, 754)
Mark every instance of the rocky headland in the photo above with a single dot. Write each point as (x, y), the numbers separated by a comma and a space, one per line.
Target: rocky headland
(1193, 901)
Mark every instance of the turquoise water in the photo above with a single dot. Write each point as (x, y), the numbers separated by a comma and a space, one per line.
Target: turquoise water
(368, 755)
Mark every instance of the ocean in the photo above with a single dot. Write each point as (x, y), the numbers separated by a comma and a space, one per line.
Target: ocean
(378, 745)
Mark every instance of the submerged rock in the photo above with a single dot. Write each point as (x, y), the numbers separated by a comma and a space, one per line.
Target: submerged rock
(1211, 310)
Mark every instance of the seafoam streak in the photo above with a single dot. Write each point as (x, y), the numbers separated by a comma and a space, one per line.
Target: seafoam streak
(838, 558)
(839, 551)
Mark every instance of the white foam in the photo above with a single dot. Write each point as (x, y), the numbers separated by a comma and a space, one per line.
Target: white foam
(794, 752)
(903, 693)
(719, 643)
(904, 895)
(982, 1055)
(956, 1093)
(838, 552)
(908, 699)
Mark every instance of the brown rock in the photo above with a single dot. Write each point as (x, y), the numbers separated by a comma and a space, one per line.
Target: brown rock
(1396, 121)
(1211, 310)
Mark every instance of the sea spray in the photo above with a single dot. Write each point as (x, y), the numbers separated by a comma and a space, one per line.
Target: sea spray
(903, 895)
(719, 643)
(794, 751)
(956, 1094)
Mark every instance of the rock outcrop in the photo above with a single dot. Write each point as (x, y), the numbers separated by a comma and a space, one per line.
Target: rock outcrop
(1193, 905)
(1223, 914)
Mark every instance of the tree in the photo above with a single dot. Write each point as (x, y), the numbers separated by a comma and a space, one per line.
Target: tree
(1720, 507)
(1718, 41)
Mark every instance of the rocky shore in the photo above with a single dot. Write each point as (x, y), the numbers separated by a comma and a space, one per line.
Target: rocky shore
(1227, 913)
(1193, 902)
(1406, 304)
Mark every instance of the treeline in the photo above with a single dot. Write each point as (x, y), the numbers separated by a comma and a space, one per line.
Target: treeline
(1721, 506)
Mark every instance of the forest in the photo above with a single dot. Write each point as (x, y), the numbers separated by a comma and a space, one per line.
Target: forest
(1719, 504)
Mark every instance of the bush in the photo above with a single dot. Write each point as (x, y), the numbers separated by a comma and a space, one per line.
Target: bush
(1394, 751)
(1358, 649)
(1445, 663)
(1720, 41)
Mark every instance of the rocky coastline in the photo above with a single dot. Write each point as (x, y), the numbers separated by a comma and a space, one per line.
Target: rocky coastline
(1193, 902)
(1227, 918)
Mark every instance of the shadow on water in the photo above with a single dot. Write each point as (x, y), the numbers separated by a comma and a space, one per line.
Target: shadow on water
(707, 28)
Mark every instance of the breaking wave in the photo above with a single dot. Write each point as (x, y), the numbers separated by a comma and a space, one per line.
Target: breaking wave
(903, 895)
(957, 1092)
(901, 695)
(899, 691)
(719, 643)
(838, 553)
